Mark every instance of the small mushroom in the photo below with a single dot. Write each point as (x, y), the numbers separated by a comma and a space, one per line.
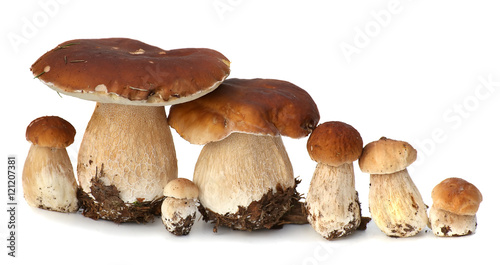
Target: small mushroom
(48, 179)
(454, 208)
(178, 210)
(243, 172)
(395, 203)
(332, 201)
(127, 153)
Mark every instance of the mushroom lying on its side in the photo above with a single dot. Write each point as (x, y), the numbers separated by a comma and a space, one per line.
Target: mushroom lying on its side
(395, 203)
(127, 154)
(178, 210)
(332, 201)
(243, 172)
(48, 179)
(454, 208)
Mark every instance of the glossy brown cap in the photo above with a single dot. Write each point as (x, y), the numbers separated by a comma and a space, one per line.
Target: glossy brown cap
(126, 71)
(457, 196)
(50, 131)
(255, 106)
(334, 143)
(386, 156)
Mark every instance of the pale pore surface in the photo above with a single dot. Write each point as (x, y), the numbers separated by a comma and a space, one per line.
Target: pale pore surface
(48, 180)
(396, 205)
(134, 146)
(332, 200)
(240, 169)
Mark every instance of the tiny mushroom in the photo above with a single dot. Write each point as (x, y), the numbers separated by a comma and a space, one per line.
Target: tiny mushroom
(332, 201)
(454, 208)
(48, 179)
(127, 154)
(395, 203)
(178, 210)
(243, 172)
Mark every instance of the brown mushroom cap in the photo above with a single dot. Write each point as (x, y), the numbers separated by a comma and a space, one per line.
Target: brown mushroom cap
(255, 106)
(386, 156)
(334, 143)
(50, 131)
(457, 196)
(181, 188)
(126, 71)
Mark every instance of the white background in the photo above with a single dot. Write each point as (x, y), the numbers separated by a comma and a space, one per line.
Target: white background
(422, 71)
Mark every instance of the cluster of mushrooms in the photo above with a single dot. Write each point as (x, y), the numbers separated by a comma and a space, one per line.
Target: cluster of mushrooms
(243, 179)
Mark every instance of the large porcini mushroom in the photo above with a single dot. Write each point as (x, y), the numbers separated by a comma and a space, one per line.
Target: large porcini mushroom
(332, 203)
(243, 172)
(454, 208)
(48, 179)
(127, 155)
(178, 210)
(395, 203)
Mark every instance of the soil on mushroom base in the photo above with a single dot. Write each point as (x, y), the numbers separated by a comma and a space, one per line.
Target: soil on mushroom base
(182, 227)
(349, 227)
(264, 213)
(106, 204)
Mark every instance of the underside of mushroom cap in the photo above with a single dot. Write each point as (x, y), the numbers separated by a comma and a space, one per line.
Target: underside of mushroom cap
(127, 71)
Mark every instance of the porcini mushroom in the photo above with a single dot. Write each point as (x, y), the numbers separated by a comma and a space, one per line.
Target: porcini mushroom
(395, 203)
(127, 155)
(48, 179)
(178, 210)
(454, 208)
(332, 203)
(243, 172)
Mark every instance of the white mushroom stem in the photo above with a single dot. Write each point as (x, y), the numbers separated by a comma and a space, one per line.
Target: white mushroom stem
(396, 205)
(240, 169)
(133, 145)
(444, 223)
(48, 180)
(178, 215)
(332, 201)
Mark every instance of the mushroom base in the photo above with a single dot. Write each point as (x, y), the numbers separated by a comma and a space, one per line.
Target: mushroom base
(264, 213)
(351, 226)
(444, 223)
(178, 215)
(333, 206)
(104, 202)
(396, 205)
(48, 180)
(179, 226)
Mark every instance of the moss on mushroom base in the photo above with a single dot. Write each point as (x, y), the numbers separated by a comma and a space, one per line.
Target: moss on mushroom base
(264, 213)
(104, 202)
